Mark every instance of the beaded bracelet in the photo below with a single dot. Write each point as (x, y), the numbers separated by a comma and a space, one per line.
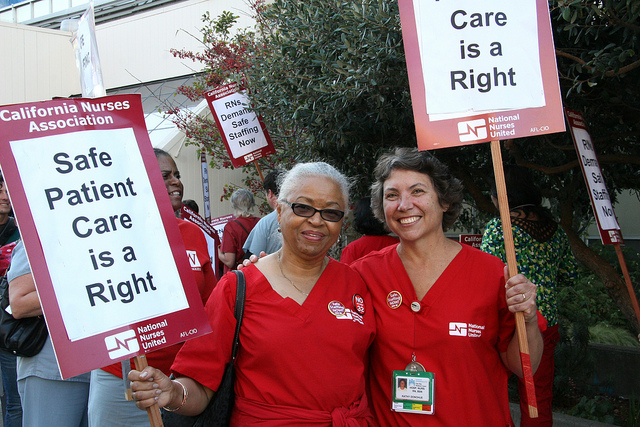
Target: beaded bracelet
(185, 393)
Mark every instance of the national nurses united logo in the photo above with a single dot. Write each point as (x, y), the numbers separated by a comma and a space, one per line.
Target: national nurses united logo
(472, 130)
(121, 344)
(461, 329)
(193, 259)
(458, 329)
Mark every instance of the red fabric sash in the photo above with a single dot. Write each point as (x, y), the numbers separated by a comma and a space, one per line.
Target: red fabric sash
(248, 412)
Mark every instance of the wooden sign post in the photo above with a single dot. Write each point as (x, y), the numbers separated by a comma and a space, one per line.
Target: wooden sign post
(495, 78)
(509, 247)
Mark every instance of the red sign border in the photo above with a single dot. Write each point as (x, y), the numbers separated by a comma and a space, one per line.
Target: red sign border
(227, 90)
(576, 120)
(444, 133)
(80, 356)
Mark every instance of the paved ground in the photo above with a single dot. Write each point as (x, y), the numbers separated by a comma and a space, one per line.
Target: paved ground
(559, 420)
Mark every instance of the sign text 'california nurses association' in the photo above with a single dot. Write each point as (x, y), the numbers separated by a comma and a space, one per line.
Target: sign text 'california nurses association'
(110, 267)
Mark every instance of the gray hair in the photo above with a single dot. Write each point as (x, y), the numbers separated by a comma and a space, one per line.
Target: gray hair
(289, 180)
(242, 202)
(448, 188)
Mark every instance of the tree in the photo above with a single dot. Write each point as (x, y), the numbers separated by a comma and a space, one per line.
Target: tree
(329, 78)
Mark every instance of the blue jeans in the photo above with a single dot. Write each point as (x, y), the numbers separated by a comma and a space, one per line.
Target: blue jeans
(13, 411)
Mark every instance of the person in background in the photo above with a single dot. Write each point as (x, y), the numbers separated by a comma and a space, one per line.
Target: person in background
(8, 228)
(303, 340)
(190, 211)
(107, 403)
(375, 233)
(9, 235)
(237, 230)
(191, 204)
(265, 236)
(440, 306)
(544, 255)
(47, 399)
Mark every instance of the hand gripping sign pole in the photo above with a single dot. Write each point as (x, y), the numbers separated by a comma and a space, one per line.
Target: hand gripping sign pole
(512, 264)
(495, 78)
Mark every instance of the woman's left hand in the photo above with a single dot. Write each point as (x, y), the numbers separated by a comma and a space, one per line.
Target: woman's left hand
(521, 296)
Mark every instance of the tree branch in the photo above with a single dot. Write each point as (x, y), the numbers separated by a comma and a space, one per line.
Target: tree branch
(590, 68)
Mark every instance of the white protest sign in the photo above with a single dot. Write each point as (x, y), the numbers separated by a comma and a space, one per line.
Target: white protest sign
(85, 46)
(483, 57)
(106, 254)
(480, 71)
(241, 129)
(99, 212)
(598, 193)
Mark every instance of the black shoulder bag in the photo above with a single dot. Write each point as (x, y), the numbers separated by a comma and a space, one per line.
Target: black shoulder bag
(218, 411)
(21, 337)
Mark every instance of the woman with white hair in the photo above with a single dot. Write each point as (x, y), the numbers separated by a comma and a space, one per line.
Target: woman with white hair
(237, 230)
(306, 328)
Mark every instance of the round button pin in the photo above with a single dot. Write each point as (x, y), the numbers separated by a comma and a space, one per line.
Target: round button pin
(358, 304)
(336, 308)
(416, 306)
(394, 299)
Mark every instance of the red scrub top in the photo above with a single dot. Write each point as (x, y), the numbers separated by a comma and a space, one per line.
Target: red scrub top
(198, 254)
(362, 246)
(462, 326)
(291, 355)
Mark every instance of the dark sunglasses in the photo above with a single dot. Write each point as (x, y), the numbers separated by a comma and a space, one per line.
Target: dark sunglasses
(306, 211)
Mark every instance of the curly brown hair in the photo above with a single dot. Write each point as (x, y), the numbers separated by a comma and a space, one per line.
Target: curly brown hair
(448, 188)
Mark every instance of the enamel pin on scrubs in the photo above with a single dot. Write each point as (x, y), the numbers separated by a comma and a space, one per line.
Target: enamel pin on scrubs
(358, 304)
(394, 299)
(336, 308)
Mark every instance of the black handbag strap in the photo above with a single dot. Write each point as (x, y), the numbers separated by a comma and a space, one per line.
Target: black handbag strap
(239, 309)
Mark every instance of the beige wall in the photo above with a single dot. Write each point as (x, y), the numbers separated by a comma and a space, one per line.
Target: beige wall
(36, 65)
(137, 49)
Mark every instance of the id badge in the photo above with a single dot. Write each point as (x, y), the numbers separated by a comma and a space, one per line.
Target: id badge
(413, 392)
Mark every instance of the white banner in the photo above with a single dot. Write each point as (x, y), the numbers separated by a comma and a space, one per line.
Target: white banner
(87, 58)
(479, 56)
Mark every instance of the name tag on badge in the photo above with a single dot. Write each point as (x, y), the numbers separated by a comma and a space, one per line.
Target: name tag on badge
(413, 392)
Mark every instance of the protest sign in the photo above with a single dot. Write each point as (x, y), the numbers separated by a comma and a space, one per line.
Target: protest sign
(600, 200)
(480, 71)
(473, 240)
(85, 46)
(241, 129)
(220, 222)
(110, 267)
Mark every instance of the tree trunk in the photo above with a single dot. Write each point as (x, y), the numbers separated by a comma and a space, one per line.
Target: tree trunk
(613, 282)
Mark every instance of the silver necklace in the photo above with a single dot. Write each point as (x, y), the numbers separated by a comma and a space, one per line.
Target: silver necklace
(283, 275)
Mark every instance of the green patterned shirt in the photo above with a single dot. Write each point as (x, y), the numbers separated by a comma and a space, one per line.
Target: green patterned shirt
(548, 264)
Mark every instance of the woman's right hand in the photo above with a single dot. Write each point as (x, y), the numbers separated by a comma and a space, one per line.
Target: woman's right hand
(150, 386)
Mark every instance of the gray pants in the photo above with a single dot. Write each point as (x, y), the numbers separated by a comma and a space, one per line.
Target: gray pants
(53, 403)
(108, 406)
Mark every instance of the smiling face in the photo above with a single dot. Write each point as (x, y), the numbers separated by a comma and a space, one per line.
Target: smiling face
(311, 237)
(171, 177)
(411, 205)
